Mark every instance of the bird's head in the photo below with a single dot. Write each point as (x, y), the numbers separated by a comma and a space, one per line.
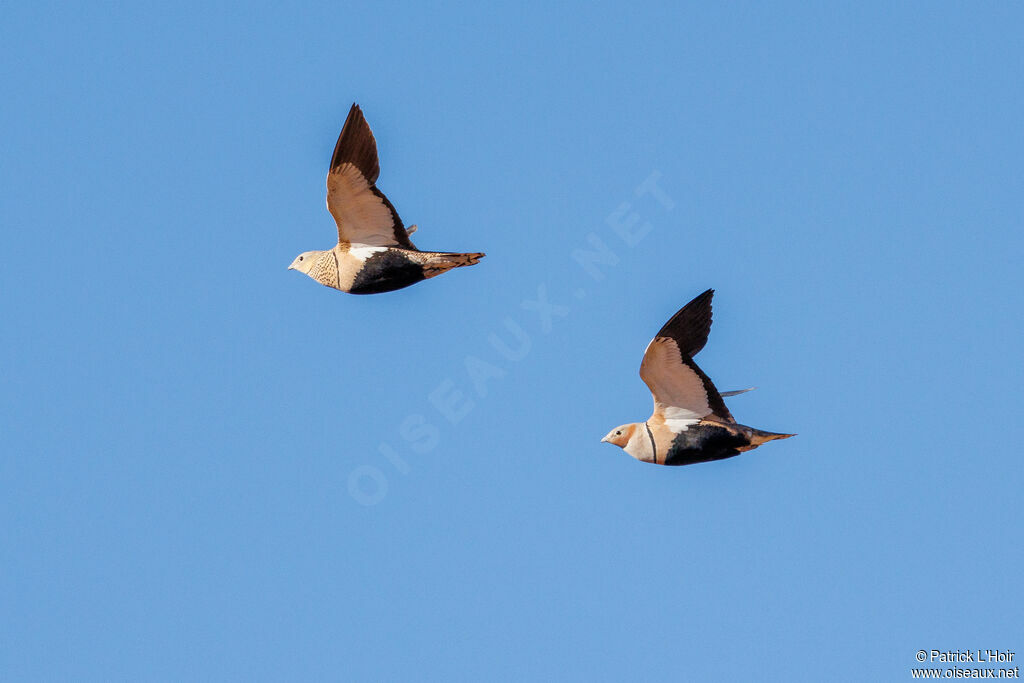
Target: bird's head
(304, 261)
(620, 436)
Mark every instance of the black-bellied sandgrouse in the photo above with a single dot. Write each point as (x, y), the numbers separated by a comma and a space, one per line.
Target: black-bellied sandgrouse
(374, 253)
(690, 423)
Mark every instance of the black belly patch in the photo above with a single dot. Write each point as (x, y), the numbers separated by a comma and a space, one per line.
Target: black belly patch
(386, 271)
(703, 443)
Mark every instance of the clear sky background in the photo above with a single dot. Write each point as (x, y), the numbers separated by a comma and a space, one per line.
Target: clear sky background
(214, 468)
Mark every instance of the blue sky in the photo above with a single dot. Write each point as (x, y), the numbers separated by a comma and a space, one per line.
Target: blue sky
(215, 468)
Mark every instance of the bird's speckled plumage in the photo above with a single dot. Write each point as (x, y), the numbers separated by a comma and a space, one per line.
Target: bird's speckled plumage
(690, 422)
(374, 253)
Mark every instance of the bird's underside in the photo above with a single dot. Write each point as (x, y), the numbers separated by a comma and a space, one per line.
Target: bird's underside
(362, 269)
(708, 440)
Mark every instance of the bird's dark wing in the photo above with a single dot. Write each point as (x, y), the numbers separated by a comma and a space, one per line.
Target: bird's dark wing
(690, 326)
(363, 214)
(683, 394)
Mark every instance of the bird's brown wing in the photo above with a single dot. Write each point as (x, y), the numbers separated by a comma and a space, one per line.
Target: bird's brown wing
(683, 394)
(363, 214)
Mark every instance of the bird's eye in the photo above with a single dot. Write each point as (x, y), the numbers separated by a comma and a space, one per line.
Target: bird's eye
(618, 433)
(300, 258)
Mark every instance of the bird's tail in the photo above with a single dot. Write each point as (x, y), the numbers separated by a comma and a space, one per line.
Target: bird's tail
(441, 262)
(758, 437)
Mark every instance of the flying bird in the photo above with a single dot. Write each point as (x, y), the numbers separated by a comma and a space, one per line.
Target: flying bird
(690, 423)
(373, 253)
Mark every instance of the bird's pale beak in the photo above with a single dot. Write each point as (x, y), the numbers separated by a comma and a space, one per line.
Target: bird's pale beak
(604, 439)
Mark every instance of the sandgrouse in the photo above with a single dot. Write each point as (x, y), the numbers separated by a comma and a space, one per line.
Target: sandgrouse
(690, 423)
(374, 253)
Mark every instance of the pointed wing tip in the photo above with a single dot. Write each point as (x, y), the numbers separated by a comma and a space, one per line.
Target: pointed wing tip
(357, 145)
(691, 324)
(701, 300)
(355, 113)
(706, 296)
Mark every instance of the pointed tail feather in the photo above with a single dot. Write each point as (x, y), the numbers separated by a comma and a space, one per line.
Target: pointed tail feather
(759, 437)
(737, 392)
(443, 262)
